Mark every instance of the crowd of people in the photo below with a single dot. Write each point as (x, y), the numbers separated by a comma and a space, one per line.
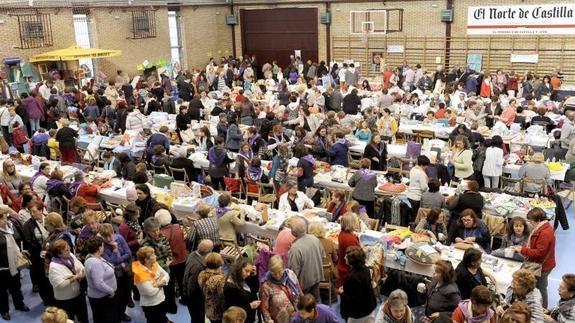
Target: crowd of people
(270, 114)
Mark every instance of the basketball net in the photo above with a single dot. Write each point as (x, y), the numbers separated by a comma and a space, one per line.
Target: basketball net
(365, 36)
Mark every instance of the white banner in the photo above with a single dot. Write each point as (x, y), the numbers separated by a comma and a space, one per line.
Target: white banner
(395, 49)
(525, 58)
(521, 20)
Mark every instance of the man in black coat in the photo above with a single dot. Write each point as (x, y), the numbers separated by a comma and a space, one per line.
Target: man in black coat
(195, 107)
(351, 103)
(185, 90)
(192, 293)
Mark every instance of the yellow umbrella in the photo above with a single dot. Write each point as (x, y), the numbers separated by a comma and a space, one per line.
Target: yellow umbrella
(74, 53)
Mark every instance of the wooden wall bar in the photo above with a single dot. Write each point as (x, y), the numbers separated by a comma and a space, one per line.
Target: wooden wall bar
(496, 52)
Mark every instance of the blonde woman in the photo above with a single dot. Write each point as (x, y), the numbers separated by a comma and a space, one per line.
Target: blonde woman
(331, 253)
(150, 280)
(10, 176)
(279, 292)
(211, 281)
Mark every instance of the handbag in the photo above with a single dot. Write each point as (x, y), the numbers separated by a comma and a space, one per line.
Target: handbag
(23, 259)
(232, 184)
(534, 267)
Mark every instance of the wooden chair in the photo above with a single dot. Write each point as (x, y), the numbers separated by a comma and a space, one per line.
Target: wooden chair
(260, 191)
(231, 251)
(398, 170)
(400, 138)
(408, 164)
(496, 225)
(423, 212)
(509, 183)
(240, 195)
(100, 161)
(86, 157)
(327, 282)
(373, 224)
(390, 227)
(568, 193)
(159, 169)
(113, 208)
(255, 240)
(353, 163)
(541, 182)
(420, 135)
(180, 175)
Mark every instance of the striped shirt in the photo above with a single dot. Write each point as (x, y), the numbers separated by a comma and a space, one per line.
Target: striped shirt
(207, 228)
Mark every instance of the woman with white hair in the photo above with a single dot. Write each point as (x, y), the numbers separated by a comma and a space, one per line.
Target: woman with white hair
(534, 169)
(175, 236)
(395, 309)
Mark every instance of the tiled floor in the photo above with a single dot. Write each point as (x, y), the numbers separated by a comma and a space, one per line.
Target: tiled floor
(564, 256)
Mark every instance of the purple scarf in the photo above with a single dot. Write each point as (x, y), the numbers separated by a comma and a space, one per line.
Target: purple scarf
(220, 211)
(254, 173)
(38, 174)
(465, 307)
(309, 158)
(253, 139)
(247, 157)
(379, 148)
(216, 158)
(74, 187)
(366, 174)
(68, 262)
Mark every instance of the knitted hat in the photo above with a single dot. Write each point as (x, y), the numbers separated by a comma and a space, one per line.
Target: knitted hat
(131, 194)
(163, 216)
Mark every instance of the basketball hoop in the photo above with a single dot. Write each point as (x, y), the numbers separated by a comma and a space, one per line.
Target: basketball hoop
(365, 36)
(367, 28)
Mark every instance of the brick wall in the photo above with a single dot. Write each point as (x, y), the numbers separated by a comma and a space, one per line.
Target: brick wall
(62, 32)
(112, 30)
(205, 34)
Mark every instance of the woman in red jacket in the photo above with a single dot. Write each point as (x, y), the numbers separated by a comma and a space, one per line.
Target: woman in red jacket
(337, 205)
(175, 235)
(540, 247)
(346, 239)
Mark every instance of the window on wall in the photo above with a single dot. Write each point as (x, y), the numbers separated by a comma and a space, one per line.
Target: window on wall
(175, 36)
(82, 33)
(143, 24)
(35, 30)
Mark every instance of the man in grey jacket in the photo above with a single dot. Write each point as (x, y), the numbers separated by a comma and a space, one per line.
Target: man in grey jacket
(192, 293)
(336, 99)
(305, 258)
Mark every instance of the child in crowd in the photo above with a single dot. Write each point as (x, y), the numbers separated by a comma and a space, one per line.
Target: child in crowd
(363, 133)
(517, 234)
(53, 145)
(40, 137)
(159, 158)
(19, 136)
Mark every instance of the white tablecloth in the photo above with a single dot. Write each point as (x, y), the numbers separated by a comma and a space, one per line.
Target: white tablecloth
(439, 130)
(555, 175)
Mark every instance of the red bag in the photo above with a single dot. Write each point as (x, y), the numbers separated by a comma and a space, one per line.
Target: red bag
(13, 201)
(232, 184)
(19, 137)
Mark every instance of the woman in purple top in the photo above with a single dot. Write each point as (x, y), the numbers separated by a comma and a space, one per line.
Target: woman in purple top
(309, 311)
(101, 283)
(364, 182)
(118, 253)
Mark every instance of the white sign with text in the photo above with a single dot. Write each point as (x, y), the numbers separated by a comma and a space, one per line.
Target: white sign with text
(555, 19)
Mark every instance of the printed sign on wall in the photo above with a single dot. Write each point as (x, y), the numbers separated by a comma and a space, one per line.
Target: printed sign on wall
(521, 20)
